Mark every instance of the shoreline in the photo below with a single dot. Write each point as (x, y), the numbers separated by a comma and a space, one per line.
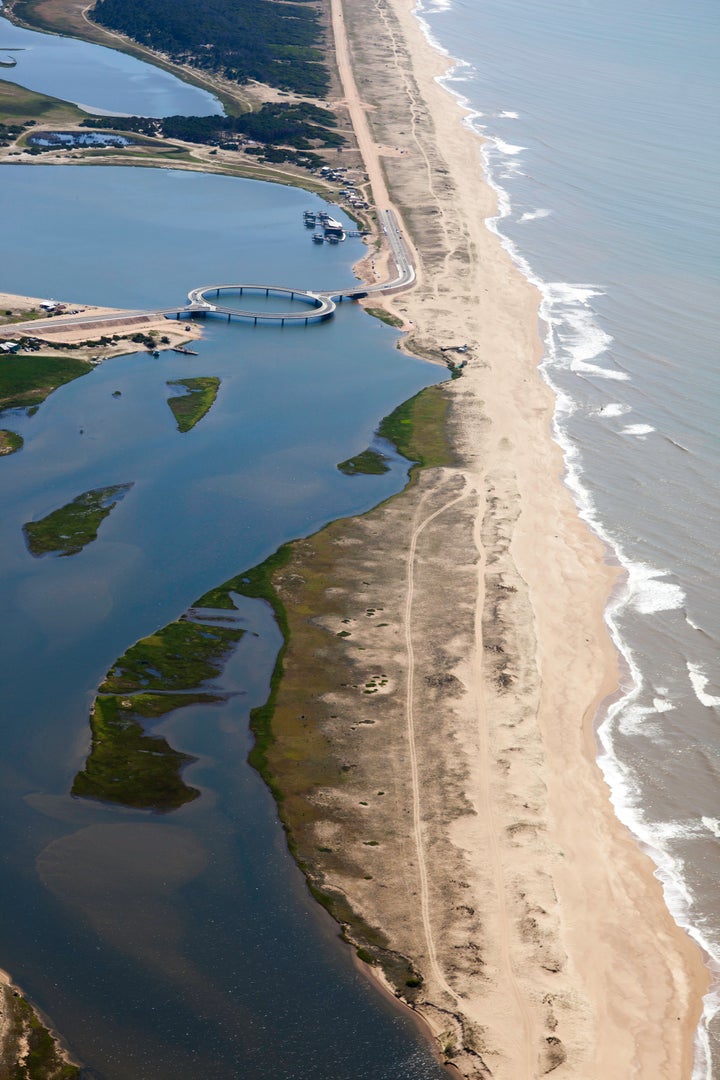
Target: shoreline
(26, 1038)
(83, 339)
(627, 572)
(590, 553)
(574, 564)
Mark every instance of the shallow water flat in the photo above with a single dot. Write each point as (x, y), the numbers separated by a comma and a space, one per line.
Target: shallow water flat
(181, 945)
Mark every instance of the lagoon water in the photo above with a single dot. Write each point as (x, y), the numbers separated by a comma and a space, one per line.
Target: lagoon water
(179, 946)
(601, 123)
(97, 79)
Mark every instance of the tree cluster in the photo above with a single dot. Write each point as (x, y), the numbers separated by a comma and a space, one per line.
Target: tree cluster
(302, 126)
(272, 41)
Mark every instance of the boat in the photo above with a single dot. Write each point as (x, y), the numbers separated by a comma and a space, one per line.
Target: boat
(318, 238)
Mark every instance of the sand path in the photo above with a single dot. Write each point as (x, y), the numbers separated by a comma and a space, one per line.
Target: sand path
(412, 746)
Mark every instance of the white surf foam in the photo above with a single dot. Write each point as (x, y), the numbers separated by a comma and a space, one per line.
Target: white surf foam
(637, 429)
(613, 409)
(507, 115)
(703, 1065)
(649, 593)
(506, 147)
(700, 681)
(574, 338)
(638, 720)
(418, 11)
(662, 705)
(713, 824)
(643, 588)
(534, 215)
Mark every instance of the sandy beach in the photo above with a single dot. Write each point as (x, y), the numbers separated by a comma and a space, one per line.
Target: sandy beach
(456, 656)
(473, 832)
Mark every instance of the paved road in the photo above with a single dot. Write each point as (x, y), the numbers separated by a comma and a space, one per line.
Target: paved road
(401, 256)
(198, 302)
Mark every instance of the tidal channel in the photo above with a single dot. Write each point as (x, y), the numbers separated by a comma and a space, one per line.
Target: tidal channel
(179, 946)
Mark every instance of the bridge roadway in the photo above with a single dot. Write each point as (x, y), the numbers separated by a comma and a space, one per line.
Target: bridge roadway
(323, 306)
(323, 303)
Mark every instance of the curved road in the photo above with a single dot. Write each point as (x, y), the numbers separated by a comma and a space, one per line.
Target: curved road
(323, 306)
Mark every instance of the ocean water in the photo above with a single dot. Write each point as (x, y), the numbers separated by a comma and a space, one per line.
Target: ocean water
(600, 123)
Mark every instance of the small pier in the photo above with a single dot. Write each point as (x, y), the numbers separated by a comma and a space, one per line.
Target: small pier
(327, 227)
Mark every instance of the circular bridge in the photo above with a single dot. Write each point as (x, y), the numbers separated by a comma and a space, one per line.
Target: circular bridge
(207, 300)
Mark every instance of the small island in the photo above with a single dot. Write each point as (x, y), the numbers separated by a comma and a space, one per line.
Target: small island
(370, 461)
(72, 527)
(189, 408)
(126, 765)
(156, 676)
(10, 442)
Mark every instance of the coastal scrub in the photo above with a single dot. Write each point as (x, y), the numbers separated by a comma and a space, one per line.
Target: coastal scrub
(28, 1050)
(301, 736)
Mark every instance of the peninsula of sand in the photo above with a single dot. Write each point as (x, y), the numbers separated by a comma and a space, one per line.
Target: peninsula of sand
(454, 659)
(432, 732)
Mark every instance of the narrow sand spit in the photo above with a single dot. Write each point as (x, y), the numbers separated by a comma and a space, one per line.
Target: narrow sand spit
(457, 634)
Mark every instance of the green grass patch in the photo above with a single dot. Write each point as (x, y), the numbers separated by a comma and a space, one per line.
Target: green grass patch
(417, 428)
(27, 380)
(19, 105)
(181, 656)
(385, 316)
(68, 530)
(369, 461)
(188, 409)
(10, 442)
(128, 766)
